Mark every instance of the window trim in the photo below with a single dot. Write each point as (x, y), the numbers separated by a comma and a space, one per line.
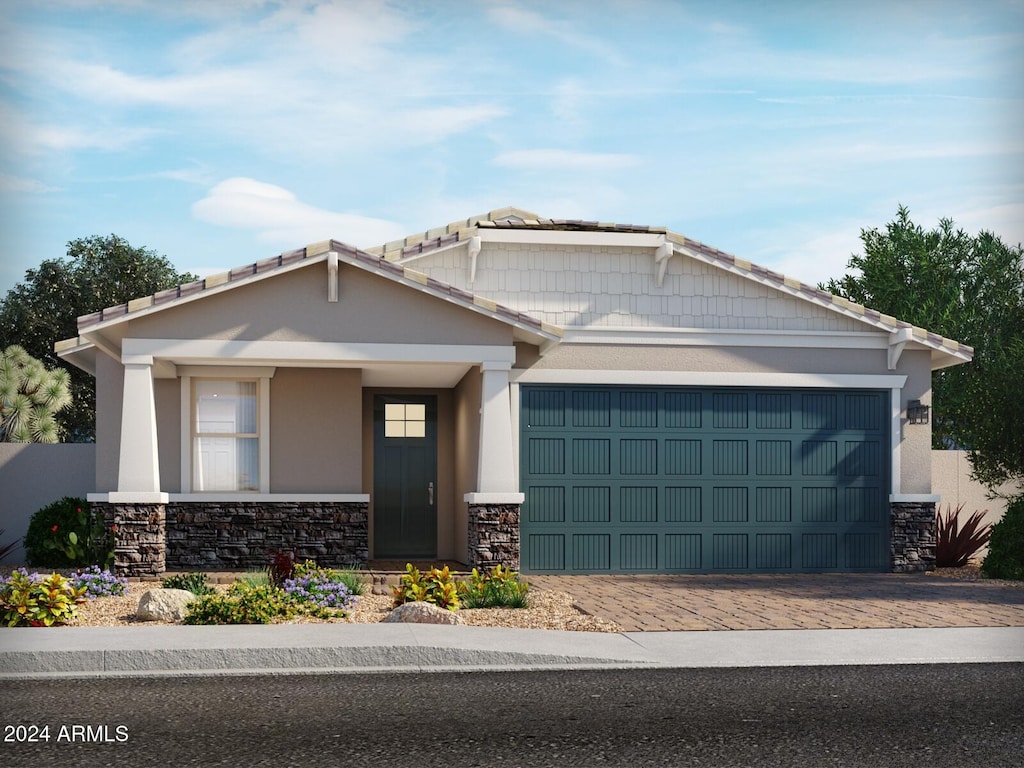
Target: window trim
(262, 378)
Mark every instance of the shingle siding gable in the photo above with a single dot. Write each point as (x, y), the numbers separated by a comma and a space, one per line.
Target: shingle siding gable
(617, 287)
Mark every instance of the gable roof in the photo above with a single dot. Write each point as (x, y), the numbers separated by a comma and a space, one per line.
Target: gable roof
(385, 260)
(519, 219)
(315, 253)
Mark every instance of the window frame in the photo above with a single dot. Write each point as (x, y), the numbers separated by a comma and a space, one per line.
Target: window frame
(189, 433)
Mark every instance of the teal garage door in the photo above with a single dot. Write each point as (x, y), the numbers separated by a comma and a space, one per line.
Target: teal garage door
(679, 479)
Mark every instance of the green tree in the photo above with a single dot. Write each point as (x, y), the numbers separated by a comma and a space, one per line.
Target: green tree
(966, 288)
(30, 397)
(99, 272)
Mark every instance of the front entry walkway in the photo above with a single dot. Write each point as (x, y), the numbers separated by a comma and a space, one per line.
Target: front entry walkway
(784, 601)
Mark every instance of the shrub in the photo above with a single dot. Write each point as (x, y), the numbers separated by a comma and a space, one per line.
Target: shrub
(255, 578)
(954, 546)
(241, 604)
(194, 582)
(437, 586)
(352, 579)
(1005, 558)
(496, 588)
(282, 567)
(39, 601)
(68, 534)
(99, 583)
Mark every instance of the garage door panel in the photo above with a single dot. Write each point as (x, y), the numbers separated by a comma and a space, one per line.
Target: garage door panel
(683, 457)
(591, 504)
(683, 552)
(591, 552)
(683, 504)
(638, 504)
(639, 551)
(773, 505)
(774, 551)
(729, 504)
(547, 504)
(668, 479)
(684, 410)
(729, 410)
(730, 551)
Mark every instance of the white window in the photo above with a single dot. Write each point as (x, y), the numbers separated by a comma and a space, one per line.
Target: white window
(405, 420)
(225, 435)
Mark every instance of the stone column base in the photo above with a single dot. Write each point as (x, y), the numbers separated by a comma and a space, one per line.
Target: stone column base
(140, 537)
(493, 536)
(912, 537)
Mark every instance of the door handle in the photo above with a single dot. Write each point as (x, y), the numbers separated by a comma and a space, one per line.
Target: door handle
(430, 493)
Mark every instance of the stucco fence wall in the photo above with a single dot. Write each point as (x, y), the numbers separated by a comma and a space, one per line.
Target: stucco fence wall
(951, 479)
(32, 476)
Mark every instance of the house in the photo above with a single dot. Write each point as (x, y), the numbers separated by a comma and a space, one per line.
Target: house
(560, 396)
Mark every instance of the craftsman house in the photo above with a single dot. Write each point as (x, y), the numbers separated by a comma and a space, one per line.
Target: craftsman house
(561, 396)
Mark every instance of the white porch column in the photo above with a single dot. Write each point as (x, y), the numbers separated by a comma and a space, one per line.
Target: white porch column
(496, 478)
(139, 467)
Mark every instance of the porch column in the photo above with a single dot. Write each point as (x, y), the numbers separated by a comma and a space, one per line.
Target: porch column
(139, 466)
(496, 468)
(493, 510)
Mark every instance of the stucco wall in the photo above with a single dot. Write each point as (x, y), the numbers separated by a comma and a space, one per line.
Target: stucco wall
(467, 447)
(109, 394)
(167, 396)
(315, 427)
(951, 479)
(293, 306)
(33, 476)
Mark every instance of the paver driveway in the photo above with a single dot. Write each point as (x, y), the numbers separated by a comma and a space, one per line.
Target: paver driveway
(797, 601)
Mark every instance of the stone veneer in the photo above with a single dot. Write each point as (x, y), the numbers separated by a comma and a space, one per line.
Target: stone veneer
(152, 538)
(494, 536)
(140, 537)
(912, 539)
(238, 535)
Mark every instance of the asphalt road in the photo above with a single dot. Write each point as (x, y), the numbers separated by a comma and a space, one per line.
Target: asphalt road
(921, 716)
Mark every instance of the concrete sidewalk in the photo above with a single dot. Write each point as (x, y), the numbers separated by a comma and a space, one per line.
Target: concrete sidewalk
(362, 648)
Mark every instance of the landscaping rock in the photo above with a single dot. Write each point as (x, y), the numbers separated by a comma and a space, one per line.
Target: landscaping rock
(423, 613)
(164, 605)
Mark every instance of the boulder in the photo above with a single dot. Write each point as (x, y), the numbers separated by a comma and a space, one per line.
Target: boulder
(423, 613)
(164, 605)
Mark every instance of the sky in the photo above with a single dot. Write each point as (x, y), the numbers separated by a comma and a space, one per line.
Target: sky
(221, 133)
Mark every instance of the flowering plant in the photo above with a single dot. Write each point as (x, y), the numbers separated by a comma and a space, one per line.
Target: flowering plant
(99, 583)
(320, 590)
(37, 600)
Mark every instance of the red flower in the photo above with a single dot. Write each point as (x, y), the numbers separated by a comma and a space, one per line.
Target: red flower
(54, 529)
(113, 528)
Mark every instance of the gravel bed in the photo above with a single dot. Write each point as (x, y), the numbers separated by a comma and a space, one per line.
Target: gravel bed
(548, 610)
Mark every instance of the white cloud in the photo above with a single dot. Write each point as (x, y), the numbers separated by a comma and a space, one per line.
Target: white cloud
(810, 254)
(279, 217)
(9, 183)
(562, 160)
(518, 19)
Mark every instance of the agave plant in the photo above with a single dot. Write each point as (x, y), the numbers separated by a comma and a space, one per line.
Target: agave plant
(30, 395)
(954, 545)
(6, 549)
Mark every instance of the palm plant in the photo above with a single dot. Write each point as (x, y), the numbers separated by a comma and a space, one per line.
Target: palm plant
(30, 396)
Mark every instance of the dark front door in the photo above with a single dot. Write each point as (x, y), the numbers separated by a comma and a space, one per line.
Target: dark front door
(404, 476)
